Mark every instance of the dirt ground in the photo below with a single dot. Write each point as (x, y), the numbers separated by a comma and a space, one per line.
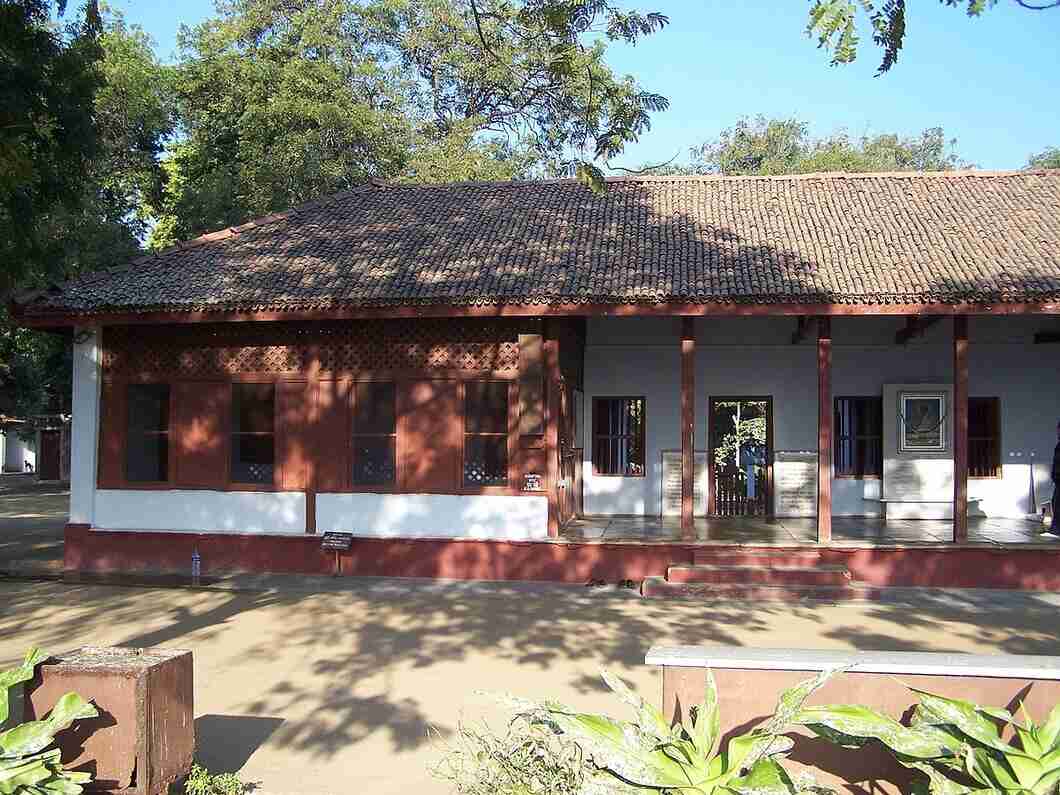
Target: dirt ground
(332, 686)
(32, 517)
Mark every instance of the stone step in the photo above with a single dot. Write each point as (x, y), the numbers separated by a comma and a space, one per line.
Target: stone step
(659, 588)
(728, 556)
(820, 575)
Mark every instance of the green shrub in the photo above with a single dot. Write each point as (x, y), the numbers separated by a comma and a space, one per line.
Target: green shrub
(550, 748)
(28, 764)
(201, 781)
(956, 745)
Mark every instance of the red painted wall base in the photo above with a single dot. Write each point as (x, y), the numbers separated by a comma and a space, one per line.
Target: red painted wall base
(100, 551)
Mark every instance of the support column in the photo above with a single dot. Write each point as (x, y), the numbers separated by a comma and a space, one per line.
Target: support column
(84, 428)
(552, 378)
(688, 428)
(960, 428)
(824, 430)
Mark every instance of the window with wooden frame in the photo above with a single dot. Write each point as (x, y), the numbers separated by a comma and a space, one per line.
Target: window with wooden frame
(147, 433)
(858, 437)
(486, 433)
(618, 436)
(253, 446)
(984, 437)
(374, 441)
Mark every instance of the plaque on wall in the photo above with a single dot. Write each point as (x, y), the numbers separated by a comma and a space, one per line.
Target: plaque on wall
(671, 483)
(795, 482)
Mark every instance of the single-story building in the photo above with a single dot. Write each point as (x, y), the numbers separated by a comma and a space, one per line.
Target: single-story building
(526, 380)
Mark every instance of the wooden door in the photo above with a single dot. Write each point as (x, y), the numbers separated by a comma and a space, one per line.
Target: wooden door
(48, 462)
(432, 440)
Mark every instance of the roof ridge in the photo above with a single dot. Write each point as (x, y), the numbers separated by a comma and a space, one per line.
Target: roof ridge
(619, 178)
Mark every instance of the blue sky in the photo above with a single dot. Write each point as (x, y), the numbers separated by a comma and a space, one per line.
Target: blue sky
(993, 83)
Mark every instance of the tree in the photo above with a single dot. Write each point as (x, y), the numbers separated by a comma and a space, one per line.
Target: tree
(834, 24)
(48, 78)
(100, 224)
(279, 103)
(1047, 158)
(765, 146)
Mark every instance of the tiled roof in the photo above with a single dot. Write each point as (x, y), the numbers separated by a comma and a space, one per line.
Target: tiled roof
(868, 239)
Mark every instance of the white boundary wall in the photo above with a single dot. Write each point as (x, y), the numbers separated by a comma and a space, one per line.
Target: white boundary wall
(486, 516)
(754, 357)
(201, 510)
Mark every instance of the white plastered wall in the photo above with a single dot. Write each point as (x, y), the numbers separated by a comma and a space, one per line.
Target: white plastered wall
(480, 516)
(754, 357)
(280, 512)
(84, 427)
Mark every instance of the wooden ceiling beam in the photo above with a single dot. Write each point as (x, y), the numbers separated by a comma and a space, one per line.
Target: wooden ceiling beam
(802, 329)
(915, 326)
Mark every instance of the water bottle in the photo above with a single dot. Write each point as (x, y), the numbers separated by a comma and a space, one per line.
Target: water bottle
(196, 566)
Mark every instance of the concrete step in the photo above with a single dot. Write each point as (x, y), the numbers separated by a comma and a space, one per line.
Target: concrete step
(820, 575)
(728, 556)
(659, 588)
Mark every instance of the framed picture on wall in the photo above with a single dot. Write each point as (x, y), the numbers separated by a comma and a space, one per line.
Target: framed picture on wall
(922, 422)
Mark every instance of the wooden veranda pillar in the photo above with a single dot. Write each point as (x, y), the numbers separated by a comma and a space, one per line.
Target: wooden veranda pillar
(688, 428)
(960, 428)
(552, 411)
(824, 430)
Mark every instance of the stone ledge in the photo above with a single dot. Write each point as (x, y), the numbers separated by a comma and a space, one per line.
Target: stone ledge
(1002, 666)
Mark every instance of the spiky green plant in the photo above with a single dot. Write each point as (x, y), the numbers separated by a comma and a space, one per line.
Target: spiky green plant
(27, 765)
(956, 744)
(648, 754)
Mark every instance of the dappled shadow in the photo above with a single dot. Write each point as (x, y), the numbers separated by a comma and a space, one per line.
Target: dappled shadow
(346, 664)
(225, 742)
(809, 239)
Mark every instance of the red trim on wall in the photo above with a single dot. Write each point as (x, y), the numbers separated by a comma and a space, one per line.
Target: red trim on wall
(98, 551)
(538, 310)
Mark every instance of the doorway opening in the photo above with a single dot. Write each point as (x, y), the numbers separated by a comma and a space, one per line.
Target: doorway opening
(741, 456)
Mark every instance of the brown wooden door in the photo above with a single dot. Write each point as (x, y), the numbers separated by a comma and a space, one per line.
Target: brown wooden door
(433, 438)
(48, 463)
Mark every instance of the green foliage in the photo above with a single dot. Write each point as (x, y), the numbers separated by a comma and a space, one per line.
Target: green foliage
(27, 767)
(833, 23)
(201, 781)
(527, 759)
(1047, 158)
(762, 146)
(48, 77)
(650, 754)
(955, 744)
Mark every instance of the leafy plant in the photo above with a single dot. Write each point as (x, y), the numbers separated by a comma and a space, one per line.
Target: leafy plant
(26, 766)
(202, 782)
(528, 759)
(956, 744)
(650, 754)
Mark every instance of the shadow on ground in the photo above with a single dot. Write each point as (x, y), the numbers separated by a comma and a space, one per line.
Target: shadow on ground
(319, 673)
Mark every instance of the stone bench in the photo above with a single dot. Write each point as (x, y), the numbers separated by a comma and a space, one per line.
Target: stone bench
(750, 681)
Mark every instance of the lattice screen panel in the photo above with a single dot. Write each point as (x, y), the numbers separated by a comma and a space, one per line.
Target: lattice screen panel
(288, 348)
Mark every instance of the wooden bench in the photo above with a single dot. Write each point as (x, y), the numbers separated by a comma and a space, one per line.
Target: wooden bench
(750, 680)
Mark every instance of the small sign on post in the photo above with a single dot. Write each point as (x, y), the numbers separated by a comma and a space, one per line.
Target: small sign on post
(336, 542)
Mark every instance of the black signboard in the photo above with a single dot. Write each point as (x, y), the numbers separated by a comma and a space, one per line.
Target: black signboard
(336, 541)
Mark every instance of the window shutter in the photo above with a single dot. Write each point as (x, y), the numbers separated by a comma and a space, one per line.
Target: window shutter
(202, 409)
(294, 431)
(331, 435)
(111, 466)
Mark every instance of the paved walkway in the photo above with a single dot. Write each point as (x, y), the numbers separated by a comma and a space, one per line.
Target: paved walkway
(32, 518)
(328, 686)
